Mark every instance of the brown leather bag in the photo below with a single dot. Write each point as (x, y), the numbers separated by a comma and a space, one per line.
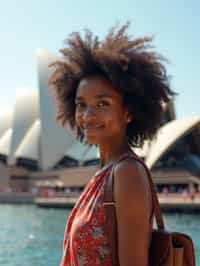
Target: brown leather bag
(166, 248)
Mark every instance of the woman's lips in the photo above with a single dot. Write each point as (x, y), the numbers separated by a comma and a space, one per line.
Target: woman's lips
(92, 128)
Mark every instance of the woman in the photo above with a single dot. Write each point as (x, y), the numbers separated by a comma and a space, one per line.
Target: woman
(111, 93)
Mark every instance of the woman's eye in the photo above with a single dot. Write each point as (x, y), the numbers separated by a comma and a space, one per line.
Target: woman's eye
(83, 105)
(102, 103)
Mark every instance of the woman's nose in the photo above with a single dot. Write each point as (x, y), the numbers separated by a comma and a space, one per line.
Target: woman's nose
(89, 113)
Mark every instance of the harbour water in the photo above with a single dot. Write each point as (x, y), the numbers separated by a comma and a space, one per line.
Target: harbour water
(30, 236)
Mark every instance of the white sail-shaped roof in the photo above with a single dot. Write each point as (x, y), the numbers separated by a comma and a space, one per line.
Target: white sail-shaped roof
(143, 152)
(25, 113)
(29, 147)
(55, 140)
(81, 152)
(168, 135)
(91, 154)
(5, 122)
(5, 142)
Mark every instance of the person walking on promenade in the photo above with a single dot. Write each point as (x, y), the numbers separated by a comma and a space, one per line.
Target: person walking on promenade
(111, 93)
(192, 192)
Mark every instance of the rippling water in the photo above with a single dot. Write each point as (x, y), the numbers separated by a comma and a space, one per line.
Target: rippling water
(30, 236)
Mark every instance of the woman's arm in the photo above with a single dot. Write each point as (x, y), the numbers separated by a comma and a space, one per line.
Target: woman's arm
(133, 207)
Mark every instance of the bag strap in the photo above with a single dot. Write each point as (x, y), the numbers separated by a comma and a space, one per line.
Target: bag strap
(109, 198)
(109, 206)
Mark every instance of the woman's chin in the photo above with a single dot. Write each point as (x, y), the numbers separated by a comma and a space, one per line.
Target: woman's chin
(92, 140)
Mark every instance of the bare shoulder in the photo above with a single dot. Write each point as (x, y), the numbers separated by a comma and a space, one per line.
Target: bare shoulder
(131, 185)
(133, 207)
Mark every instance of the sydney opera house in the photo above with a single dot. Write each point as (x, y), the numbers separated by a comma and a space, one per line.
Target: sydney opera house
(34, 147)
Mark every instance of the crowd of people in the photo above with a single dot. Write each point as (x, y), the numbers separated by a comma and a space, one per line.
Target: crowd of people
(190, 191)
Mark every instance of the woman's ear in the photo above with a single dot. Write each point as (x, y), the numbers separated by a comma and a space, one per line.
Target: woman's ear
(129, 117)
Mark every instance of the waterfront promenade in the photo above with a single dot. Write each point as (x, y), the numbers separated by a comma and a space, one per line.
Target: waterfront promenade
(170, 202)
(176, 202)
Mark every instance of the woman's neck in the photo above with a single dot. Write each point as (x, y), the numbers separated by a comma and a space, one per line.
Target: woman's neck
(109, 155)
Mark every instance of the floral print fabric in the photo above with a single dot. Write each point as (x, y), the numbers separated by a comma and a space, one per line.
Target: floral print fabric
(85, 238)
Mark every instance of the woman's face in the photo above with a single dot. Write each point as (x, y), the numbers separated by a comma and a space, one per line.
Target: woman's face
(100, 112)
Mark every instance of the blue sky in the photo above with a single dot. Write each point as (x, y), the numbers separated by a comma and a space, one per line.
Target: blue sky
(28, 25)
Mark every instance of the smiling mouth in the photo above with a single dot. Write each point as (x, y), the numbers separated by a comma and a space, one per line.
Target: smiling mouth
(92, 128)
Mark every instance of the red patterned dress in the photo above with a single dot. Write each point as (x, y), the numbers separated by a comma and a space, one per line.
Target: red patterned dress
(86, 234)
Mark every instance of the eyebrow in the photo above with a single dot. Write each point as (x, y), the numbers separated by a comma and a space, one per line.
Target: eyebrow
(103, 95)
